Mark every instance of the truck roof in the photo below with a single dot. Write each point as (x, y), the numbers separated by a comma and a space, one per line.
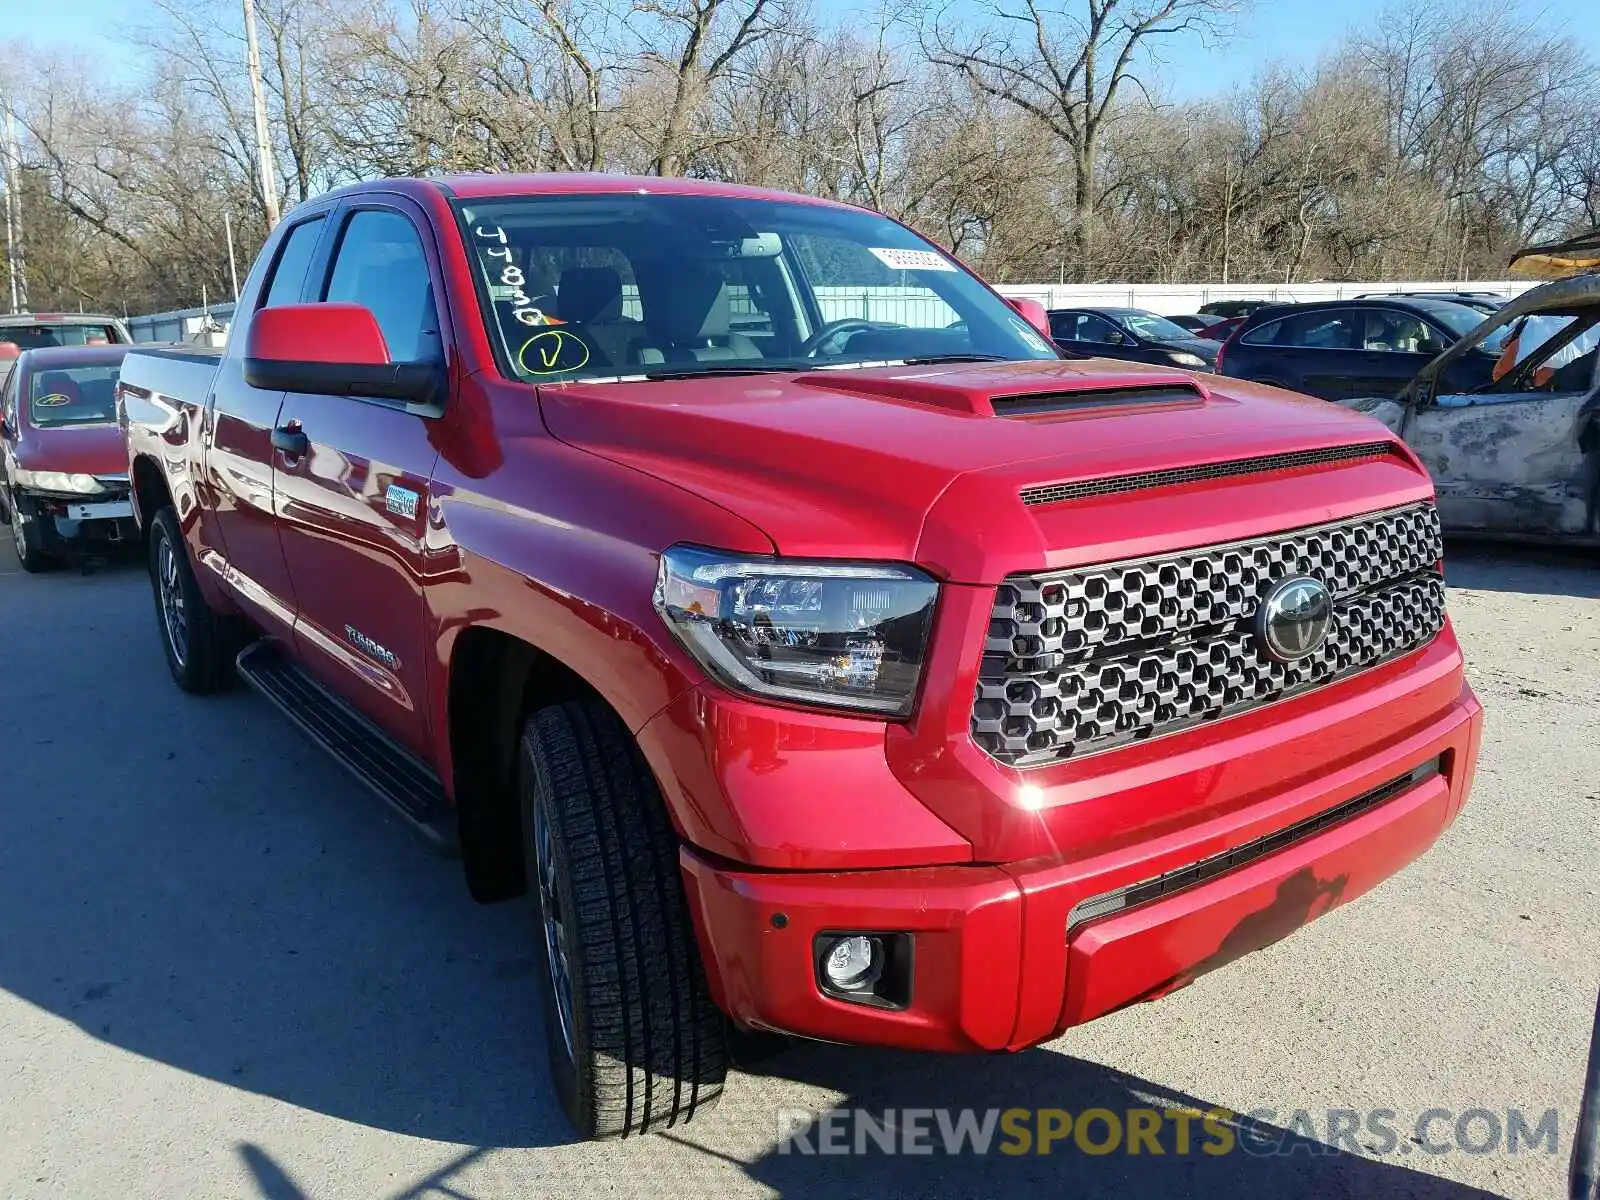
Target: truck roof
(485, 185)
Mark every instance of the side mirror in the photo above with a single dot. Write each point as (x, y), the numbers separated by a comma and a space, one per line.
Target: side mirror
(1116, 337)
(1430, 346)
(333, 349)
(1032, 312)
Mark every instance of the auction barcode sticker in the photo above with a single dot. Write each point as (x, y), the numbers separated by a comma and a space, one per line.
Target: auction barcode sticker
(912, 260)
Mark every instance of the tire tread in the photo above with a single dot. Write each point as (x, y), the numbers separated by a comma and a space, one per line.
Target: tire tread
(655, 1054)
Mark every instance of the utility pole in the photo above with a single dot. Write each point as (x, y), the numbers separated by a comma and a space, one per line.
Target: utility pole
(269, 176)
(15, 262)
(233, 266)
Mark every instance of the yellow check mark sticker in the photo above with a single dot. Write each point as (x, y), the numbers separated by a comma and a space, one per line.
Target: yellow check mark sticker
(553, 352)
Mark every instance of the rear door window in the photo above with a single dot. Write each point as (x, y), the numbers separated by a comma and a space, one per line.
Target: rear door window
(1265, 334)
(1323, 330)
(289, 273)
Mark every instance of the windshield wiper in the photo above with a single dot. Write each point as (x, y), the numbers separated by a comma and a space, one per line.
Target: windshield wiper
(691, 372)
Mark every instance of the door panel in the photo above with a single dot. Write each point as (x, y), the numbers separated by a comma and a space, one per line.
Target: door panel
(352, 508)
(352, 513)
(1510, 466)
(238, 484)
(1328, 373)
(1385, 372)
(237, 422)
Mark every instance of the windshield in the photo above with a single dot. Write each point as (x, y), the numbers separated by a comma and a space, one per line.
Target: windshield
(73, 396)
(600, 286)
(1149, 326)
(37, 337)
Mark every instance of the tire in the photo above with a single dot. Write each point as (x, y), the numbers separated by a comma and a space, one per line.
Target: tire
(25, 541)
(635, 1042)
(197, 640)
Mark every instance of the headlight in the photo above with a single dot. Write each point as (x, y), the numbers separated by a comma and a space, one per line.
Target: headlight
(840, 635)
(59, 481)
(1183, 358)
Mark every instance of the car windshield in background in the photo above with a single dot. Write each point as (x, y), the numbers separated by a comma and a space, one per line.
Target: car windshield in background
(1149, 326)
(74, 396)
(601, 286)
(1547, 339)
(38, 337)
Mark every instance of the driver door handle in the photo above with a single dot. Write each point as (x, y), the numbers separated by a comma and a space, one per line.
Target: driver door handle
(290, 440)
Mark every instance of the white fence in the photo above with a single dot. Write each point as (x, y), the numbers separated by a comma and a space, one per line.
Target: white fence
(917, 306)
(1171, 299)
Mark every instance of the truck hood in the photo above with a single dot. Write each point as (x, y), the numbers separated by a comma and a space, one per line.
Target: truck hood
(75, 449)
(926, 464)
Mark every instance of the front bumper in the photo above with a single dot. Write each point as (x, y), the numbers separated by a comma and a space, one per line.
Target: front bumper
(996, 964)
(63, 521)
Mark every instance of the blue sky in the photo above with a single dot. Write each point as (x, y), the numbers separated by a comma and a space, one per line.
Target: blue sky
(1301, 30)
(1293, 30)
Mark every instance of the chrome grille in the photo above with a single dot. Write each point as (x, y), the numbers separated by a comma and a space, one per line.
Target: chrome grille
(1091, 658)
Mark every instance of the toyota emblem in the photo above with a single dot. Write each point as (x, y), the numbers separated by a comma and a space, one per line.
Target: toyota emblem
(1295, 618)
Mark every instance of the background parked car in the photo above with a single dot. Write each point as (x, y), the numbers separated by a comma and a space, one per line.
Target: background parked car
(1193, 322)
(1340, 349)
(1484, 302)
(1131, 333)
(1220, 331)
(32, 331)
(1234, 308)
(63, 461)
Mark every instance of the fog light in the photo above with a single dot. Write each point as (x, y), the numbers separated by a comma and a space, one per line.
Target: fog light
(853, 962)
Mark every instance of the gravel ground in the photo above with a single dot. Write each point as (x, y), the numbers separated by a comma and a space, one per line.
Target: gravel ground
(225, 971)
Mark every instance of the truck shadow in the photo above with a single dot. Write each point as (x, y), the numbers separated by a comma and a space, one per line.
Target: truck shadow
(190, 881)
(1248, 1155)
(1520, 568)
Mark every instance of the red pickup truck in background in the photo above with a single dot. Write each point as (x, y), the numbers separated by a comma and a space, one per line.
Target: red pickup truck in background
(741, 576)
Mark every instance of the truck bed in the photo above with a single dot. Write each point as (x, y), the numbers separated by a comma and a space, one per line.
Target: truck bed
(180, 373)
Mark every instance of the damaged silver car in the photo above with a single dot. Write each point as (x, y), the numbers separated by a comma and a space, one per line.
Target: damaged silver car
(1518, 457)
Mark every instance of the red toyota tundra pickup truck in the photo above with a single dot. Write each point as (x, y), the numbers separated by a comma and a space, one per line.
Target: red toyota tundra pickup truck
(742, 577)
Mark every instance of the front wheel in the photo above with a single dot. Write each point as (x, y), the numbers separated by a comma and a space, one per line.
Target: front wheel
(25, 539)
(195, 637)
(634, 1040)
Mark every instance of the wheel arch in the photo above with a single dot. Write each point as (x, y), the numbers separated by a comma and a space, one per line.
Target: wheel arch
(150, 491)
(494, 679)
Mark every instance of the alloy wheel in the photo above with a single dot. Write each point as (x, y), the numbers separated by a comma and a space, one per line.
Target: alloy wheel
(553, 918)
(174, 617)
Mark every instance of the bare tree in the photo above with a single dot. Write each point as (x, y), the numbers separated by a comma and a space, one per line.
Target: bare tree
(1426, 144)
(1064, 66)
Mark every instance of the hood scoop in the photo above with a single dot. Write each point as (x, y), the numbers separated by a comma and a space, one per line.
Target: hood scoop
(1038, 404)
(975, 392)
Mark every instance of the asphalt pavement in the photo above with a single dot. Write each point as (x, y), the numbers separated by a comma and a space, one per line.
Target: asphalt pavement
(225, 971)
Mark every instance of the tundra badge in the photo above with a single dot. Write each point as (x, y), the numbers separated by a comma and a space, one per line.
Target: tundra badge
(401, 501)
(369, 647)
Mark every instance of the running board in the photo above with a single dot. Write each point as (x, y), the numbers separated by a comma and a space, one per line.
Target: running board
(406, 784)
